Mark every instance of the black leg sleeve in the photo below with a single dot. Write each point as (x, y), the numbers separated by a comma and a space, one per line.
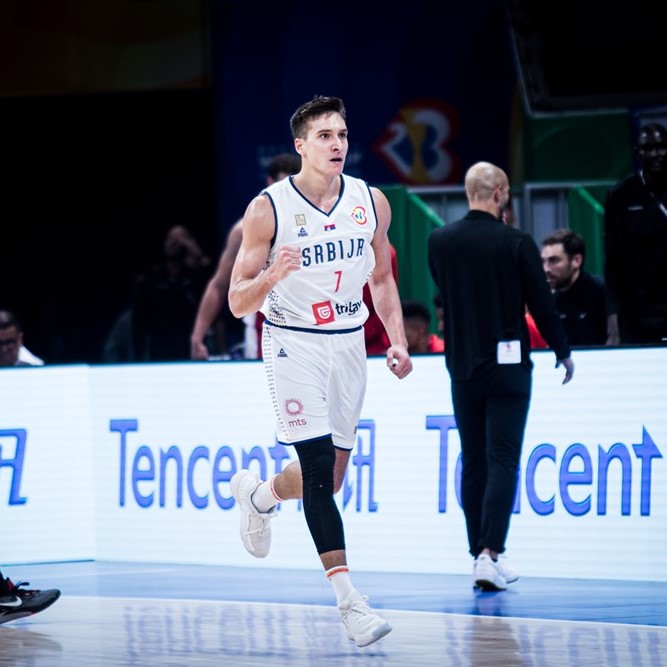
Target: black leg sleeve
(317, 458)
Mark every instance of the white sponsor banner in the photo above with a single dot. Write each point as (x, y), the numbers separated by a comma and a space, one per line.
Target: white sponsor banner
(47, 508)
(134, 462)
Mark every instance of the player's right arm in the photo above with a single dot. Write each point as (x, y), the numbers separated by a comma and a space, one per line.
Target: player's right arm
(251, 281)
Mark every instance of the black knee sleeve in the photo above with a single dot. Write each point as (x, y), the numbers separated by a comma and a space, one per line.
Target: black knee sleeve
(317, 458)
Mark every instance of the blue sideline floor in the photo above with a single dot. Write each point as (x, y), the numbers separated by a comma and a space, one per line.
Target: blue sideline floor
(642, 603)
(141, 615)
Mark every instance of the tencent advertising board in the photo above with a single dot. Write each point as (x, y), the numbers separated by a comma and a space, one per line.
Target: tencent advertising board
(138, 459)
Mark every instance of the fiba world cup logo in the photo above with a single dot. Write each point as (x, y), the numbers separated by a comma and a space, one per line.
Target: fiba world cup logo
(359, 215)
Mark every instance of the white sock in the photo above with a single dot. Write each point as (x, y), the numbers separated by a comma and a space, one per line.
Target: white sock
(265, 497)
(339, 577)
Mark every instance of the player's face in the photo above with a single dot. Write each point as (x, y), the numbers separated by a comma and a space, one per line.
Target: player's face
(325, 146)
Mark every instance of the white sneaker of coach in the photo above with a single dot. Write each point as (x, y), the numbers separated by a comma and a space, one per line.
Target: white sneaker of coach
(487, 575)
(506, 570)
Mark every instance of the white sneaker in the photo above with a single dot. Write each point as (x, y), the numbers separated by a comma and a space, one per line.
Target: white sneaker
(363, 625)
(487, 575)
(255, 525)
(510, 575)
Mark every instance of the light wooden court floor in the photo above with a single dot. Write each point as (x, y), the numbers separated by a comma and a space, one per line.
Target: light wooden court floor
(157, 615)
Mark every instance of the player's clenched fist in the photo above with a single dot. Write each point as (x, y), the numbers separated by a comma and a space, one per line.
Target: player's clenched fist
(287, 261)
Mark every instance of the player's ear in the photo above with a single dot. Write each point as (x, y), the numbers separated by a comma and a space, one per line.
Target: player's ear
(298, 145)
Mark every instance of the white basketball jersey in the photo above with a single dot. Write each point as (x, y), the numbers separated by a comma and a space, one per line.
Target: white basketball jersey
(336, 257)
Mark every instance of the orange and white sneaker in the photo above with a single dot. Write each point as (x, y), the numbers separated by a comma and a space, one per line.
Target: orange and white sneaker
(363, 625)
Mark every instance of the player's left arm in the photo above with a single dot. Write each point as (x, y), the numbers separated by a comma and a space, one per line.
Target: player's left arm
(384, 290)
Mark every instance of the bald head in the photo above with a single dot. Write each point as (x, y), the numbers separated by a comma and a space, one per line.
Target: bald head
(487, 188)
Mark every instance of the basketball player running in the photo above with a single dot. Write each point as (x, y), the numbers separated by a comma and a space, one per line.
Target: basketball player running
(310, 243)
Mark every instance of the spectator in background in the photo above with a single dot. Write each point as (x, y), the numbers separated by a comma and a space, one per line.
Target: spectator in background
(214, 300)
(166, 299)
(580, 296)
(417, 321)
(375, 335)
(12, 350)
(635, 228)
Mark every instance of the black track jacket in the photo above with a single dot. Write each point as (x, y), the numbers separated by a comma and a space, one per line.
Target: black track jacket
(487, 274)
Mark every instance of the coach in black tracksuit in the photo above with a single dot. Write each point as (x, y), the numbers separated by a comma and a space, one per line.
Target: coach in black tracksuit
(487, 274)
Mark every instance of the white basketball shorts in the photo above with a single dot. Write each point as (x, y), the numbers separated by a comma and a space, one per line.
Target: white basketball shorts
(317, 383)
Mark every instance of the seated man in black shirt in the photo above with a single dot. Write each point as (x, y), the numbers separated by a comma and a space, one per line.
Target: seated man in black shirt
(580, 296)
